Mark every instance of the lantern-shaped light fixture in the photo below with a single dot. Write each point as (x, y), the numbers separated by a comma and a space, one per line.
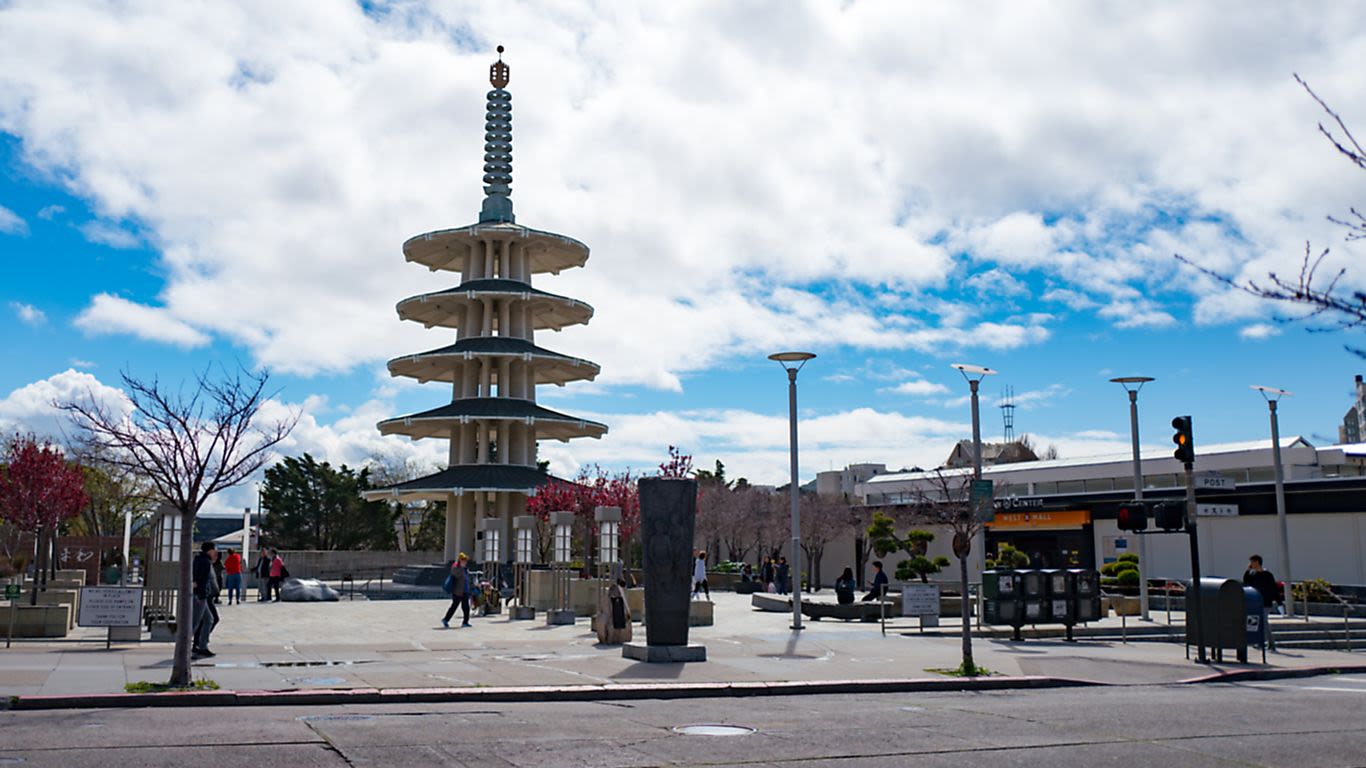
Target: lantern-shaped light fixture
(609, 533)
(562, 524)
(525, 526)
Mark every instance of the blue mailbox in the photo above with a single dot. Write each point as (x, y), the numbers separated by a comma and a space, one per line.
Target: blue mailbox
(1252, 617)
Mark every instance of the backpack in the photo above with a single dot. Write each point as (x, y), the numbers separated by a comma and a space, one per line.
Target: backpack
(448, 586)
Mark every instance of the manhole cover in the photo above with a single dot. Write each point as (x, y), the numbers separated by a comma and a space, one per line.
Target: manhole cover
(713, 730)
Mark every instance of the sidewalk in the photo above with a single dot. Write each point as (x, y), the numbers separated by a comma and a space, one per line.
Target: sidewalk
(392, 645)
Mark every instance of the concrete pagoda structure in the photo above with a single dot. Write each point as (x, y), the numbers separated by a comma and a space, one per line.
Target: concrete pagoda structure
(493, 368)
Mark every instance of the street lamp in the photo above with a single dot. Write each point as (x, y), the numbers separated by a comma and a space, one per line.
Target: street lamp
(1272, 396)
(974, 374)
(793, 362)
(1132, 384)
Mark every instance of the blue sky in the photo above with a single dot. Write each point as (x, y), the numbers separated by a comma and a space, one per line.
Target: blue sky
(179, 189)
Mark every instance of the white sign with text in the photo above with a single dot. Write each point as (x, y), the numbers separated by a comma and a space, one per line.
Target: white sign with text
(110, 607)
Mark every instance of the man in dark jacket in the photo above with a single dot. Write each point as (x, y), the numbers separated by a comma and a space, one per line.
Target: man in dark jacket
(1261, 580)
(203, 583)
(879, 586)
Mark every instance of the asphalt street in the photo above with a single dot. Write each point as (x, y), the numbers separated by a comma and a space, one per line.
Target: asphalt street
(1305, 723)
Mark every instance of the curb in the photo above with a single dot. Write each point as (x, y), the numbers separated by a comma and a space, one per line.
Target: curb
(505, 695)
(1246, 675)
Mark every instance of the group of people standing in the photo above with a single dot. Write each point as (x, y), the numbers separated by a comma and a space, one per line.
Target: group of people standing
(211, 575)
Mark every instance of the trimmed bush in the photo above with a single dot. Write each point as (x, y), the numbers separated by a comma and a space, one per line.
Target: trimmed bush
(1128, 578)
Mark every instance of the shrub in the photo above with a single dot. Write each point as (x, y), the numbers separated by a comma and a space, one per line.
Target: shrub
(1318, 591)
(1127, 578)
(1010, 557)
(1128, 557)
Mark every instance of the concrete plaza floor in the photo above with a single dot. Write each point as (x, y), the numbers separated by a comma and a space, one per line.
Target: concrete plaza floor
(401, 644)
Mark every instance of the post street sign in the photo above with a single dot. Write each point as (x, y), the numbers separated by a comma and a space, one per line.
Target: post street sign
(1216, 510)
(1215, 481)
(12, 591)
(980, 498)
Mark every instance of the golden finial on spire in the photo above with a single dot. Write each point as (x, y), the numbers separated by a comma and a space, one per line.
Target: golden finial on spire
(498, 73)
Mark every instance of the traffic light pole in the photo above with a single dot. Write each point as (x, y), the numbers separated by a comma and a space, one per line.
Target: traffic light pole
(1194, 593)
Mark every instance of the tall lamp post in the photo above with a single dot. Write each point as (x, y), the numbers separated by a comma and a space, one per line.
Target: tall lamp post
(1272, 396)
(974, 374)
(793, 362)
(1132, 384)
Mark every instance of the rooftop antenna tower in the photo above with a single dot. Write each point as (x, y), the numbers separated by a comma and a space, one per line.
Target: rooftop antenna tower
(1008, 412)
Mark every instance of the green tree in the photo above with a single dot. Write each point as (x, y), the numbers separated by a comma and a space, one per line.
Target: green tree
(313, 505)
(882, 535)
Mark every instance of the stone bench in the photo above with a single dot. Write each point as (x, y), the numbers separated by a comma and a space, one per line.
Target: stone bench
(856, 611)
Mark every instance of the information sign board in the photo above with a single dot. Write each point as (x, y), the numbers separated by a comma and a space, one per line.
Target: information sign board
(920, 600)
(110, 607)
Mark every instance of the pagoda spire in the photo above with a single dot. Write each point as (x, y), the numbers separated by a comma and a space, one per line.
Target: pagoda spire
(498, 148)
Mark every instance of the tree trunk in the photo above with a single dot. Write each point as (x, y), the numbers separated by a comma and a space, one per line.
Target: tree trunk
(39, 568)
(180, 665)
(965, 608)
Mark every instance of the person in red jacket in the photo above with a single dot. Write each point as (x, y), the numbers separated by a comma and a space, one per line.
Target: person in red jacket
(232, 572)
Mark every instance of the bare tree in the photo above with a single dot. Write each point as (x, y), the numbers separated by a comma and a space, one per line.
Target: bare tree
(1308, 290)
(823, 518)
(946, 502)
(188, 448)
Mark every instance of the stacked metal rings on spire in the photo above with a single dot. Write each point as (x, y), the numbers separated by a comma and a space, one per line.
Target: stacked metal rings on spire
(498, 143)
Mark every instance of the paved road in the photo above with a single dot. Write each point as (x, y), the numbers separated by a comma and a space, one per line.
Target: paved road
(1303, 723)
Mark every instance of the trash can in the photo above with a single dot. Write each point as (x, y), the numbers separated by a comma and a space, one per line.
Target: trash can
(1221, 613)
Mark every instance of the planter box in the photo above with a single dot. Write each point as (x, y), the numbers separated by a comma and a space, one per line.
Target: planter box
(38, 621)
(77, 575)
(1123, 605)
(701, 613)
(67, 597)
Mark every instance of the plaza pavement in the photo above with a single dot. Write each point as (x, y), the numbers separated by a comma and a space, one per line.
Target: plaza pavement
(401, 646)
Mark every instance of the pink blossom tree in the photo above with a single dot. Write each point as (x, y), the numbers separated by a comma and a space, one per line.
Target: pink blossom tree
(39, 489)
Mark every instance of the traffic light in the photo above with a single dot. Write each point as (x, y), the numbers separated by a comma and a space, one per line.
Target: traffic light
(1170, 515)
(1185, 441)
(1133, 516)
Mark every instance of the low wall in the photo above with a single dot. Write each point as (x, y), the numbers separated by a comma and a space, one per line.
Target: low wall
(321, 564)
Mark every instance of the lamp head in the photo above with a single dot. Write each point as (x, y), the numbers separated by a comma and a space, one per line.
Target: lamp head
(1271, 393)
(791, 360)
(973, 372)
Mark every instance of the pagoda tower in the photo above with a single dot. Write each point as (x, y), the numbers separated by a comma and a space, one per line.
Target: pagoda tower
(494, 366)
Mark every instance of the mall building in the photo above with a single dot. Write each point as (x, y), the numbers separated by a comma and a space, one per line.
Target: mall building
(1062, 512)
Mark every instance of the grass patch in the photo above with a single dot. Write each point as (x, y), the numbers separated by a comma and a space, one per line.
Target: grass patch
(142, 686)
(962, 670)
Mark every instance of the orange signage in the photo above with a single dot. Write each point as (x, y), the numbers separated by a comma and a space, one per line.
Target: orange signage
(1039, 520)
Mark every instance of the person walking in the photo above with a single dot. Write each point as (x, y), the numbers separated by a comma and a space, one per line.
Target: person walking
(201, 579)
(699, 575)
(1264, 582)
(262, 572)
(278, 573)
(844, 587)
(879, 587)
(780, 573)
(460, 591)
(217, 576)
(766, 573)
(232, 576)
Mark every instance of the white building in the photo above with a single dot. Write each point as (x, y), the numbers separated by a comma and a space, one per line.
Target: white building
(1062, 512)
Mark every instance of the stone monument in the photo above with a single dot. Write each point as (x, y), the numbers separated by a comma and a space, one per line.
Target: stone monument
(668, 510)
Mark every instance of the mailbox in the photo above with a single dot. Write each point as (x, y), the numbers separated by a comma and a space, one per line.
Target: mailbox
(1252, 617)
(1222, 615)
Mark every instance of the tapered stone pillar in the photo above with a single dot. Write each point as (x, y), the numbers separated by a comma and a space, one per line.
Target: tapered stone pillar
(668, 513)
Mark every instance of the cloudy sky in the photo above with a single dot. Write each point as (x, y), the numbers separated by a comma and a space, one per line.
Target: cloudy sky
(895, 186)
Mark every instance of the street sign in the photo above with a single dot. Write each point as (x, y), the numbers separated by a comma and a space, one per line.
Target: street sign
(12, 591)
(1216, 510)
(980, 498)
(110, 607)
(1215, 481)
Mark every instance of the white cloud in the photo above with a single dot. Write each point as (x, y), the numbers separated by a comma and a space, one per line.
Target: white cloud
(32, 408)
(919, 387)
(1259, 331)
(104, 233)
(113, 314)
(28, 314)
(50, 212)
(11, 224)
(277, 160)
(76, 362)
